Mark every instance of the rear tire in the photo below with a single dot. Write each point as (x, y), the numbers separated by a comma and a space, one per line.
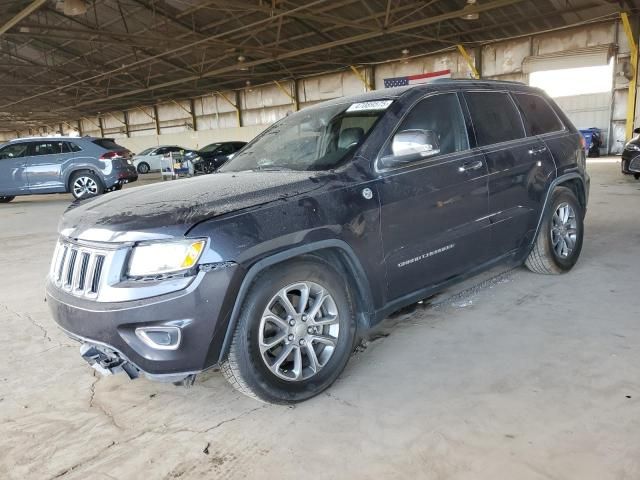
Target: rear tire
(636, 176)
(85, 185)
(143, 167)
(6, 198)
(286, 354)
(559, 241)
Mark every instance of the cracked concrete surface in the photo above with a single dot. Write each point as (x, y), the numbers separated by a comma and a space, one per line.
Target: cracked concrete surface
(511, 375)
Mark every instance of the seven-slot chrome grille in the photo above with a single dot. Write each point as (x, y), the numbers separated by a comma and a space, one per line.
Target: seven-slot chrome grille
(78, 269)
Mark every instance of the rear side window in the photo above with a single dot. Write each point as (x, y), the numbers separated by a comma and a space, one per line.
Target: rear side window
(495, 117)
(47, 148)
(72, 147)
(108, 143)
(539, 116)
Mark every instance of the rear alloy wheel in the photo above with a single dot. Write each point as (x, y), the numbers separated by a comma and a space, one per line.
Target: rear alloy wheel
(143, 167)
(294, 335)
(6, 198)
(559, 241)
(86, 185)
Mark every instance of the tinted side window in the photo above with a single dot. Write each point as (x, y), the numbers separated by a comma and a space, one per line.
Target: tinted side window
(442, 115)
(15, 150)
(225, 149)
(71, 147)
(539, 116)
(46, 148)
(495, 117)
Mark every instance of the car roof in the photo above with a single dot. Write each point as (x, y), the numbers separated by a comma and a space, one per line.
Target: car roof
(55, 137)
(439, 84)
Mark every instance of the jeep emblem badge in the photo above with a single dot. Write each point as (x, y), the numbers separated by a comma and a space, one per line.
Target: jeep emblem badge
(367, 193)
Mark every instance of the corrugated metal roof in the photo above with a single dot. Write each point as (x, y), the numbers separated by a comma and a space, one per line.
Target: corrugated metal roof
(126, 53)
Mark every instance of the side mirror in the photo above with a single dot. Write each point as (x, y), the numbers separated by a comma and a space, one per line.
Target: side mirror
(636, 130)
(410, 145)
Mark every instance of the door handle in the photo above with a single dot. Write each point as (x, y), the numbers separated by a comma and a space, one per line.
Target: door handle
(533, 151)
(470, 166)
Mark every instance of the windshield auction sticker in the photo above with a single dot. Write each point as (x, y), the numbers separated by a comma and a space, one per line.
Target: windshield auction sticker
(374, 105)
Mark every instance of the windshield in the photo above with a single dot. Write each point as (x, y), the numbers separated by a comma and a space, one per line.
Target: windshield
(146, 151)
(210, 148)
(315, 139)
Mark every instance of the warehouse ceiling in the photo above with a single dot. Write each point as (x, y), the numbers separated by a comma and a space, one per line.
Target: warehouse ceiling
(65, 59)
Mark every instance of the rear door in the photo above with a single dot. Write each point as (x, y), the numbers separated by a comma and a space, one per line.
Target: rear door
(434, 210)
(516, 162)
(45, 165)
(13, 163)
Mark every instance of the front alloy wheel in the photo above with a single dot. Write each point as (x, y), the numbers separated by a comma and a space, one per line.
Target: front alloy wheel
(294, 334)
(299, 331)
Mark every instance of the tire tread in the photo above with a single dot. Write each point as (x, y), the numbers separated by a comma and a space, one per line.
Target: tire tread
(540, 259)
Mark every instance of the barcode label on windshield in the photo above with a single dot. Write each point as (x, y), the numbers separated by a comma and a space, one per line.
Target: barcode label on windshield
(374, 105)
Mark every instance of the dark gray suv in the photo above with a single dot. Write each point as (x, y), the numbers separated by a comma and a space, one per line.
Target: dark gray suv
(327, 222)
(85, 167)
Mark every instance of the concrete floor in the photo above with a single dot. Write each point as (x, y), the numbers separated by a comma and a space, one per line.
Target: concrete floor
(510, 376)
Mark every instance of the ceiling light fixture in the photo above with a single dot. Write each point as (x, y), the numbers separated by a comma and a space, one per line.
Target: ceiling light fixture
(241, 65)
(466, 15)
(74, 7)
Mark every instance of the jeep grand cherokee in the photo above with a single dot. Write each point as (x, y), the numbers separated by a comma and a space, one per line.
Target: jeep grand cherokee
(330, 220)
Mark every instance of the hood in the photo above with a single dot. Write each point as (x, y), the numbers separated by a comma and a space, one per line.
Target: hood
(168, 209)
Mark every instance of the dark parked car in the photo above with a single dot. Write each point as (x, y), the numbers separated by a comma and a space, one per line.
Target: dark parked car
(214, 155)
(328, 221)
(84, 166)
(631, 156)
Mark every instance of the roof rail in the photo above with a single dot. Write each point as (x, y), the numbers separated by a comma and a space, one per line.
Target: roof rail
(479, 80)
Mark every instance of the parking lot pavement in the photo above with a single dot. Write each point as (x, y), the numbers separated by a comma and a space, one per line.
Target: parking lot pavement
(510, 376)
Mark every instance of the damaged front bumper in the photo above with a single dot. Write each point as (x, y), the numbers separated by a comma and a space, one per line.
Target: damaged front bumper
(106, 360)
(168, 337)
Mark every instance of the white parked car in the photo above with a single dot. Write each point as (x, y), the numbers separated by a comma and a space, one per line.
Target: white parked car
(149, 159)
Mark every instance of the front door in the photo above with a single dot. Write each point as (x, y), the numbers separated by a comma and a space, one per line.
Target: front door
(434, 210)
(44, 168)
(13, 177)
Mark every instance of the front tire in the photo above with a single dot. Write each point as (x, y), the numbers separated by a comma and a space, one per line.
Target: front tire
(143, 167)
(294, 335)
(559, 241)
(6, 198)
(85, 185)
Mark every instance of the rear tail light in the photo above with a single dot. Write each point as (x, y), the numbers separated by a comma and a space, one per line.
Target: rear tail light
(111, 154)
(583, 142)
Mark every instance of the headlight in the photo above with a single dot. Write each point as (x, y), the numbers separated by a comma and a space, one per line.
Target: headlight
(164, 257)
(197, 159)
(632, 146)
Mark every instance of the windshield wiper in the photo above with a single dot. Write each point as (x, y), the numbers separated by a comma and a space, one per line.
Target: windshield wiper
(271, 168)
